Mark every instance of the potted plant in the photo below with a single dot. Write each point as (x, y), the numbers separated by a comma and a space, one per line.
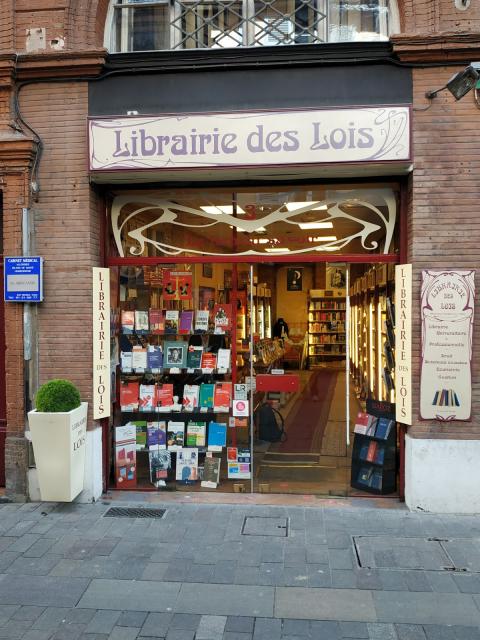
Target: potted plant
(58, 426)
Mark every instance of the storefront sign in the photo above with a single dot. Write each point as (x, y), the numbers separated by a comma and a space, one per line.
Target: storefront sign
(447, 326)
(23, 279)
(403, 343)
(101, 343)
(244, 139)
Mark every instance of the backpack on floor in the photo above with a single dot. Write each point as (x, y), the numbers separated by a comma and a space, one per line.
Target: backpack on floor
(270, 424)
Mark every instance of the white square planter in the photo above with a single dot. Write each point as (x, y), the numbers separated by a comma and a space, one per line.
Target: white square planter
(59, 443)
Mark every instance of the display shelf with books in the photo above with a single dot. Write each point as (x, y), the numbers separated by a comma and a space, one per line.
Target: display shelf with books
(374, 454)
(326, 326)
(175, 381)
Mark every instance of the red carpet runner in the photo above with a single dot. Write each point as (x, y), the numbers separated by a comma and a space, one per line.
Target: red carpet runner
(309, 414)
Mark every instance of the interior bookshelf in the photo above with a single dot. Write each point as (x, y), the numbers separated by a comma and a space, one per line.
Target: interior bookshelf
(372, 322)
(326, 326)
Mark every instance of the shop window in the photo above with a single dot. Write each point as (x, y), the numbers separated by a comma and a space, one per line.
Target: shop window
(141, 25)
(281, 221)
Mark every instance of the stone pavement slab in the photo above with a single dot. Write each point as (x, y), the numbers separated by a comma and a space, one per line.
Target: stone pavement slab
(426, 608)
(41, 591)
(130, 595)
(324, 604)
(226, 600)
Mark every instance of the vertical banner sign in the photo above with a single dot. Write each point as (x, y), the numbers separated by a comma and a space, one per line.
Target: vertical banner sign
(447, 309)
(403, 343)
(101, 343)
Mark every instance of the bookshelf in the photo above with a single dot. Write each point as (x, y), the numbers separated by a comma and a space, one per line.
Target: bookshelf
(326, 326)
(374, 454)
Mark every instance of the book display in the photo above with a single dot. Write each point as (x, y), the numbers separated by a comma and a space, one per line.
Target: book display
(174, 408)
(372, 341)
(374, 455)
(326, 326)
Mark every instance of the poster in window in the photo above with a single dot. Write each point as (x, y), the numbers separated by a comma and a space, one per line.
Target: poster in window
(294, 279)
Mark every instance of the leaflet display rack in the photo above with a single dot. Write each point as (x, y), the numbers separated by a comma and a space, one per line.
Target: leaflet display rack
(374, 456)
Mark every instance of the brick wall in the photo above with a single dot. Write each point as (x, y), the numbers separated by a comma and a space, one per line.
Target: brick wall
(444, 226)
(67, 231)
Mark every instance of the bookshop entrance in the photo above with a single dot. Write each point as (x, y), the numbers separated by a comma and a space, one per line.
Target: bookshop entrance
(248, 344)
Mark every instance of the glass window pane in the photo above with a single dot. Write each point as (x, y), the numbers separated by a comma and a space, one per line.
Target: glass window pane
(208, 24)
(286, 22)
(141, 28)
(358, 21)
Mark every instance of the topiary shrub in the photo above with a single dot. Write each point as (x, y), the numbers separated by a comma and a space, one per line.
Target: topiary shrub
(57, 396)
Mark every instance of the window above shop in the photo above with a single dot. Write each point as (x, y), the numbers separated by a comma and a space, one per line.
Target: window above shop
(143, 25)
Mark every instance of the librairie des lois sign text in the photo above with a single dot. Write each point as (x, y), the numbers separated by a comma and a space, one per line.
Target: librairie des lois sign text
(255, 138)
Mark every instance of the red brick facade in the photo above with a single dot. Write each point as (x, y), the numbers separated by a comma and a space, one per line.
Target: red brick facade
(44, 40)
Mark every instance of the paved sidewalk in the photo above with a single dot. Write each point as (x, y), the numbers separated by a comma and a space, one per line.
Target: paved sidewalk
(237, 572)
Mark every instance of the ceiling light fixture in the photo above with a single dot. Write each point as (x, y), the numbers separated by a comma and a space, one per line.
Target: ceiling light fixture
(217, 210)
(327, 249)
(315, 225)
(293, 206)
(277, 250)
(321, 238)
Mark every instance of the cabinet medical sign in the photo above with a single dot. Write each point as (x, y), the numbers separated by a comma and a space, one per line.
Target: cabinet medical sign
(23, 279)
(246, 139)
(447, 308)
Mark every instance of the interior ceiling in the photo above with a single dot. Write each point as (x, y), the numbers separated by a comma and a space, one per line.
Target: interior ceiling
(201, 234)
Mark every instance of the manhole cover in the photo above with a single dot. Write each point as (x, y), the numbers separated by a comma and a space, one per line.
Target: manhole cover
(131, 512)
(388, 552)
(265, 526)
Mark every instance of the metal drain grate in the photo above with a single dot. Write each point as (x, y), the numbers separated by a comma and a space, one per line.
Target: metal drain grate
(132, 512)
(265, 526)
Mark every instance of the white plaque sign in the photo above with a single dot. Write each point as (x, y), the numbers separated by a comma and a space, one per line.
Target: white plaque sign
(447, 309)
(101, 343)
(367, 134)
(403, 343)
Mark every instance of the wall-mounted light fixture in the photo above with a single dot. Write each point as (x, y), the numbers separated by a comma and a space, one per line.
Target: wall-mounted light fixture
(461, 83)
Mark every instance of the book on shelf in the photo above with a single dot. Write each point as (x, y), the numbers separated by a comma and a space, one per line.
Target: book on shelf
(363, 451)
(223, 359)
(125, 454)
(222, 397)
(187, 465)
(157, 321)
(175, 355)
(196, 434)
(164, 397)
(190, 397)
(390, 311)
(127, 321)
(140, 434)
(217, 435)
(185, 323)
(139, 358)
(207, 390)
(389, 357)
(387, 379)
(175, 434)
(211, 471)
(171, 321)
(222, 317)
(388, 328)
(384, 427)
(362, 422)
(380, 456)
(129, 396)
(160, 461)
(372, 451)
(126, 361)
(208, 361)
(201, 320)
(364, 475)
(146, 397)
(156, 433)
(141, 322)
(376, 480)
(154, 358)
(194, 357)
